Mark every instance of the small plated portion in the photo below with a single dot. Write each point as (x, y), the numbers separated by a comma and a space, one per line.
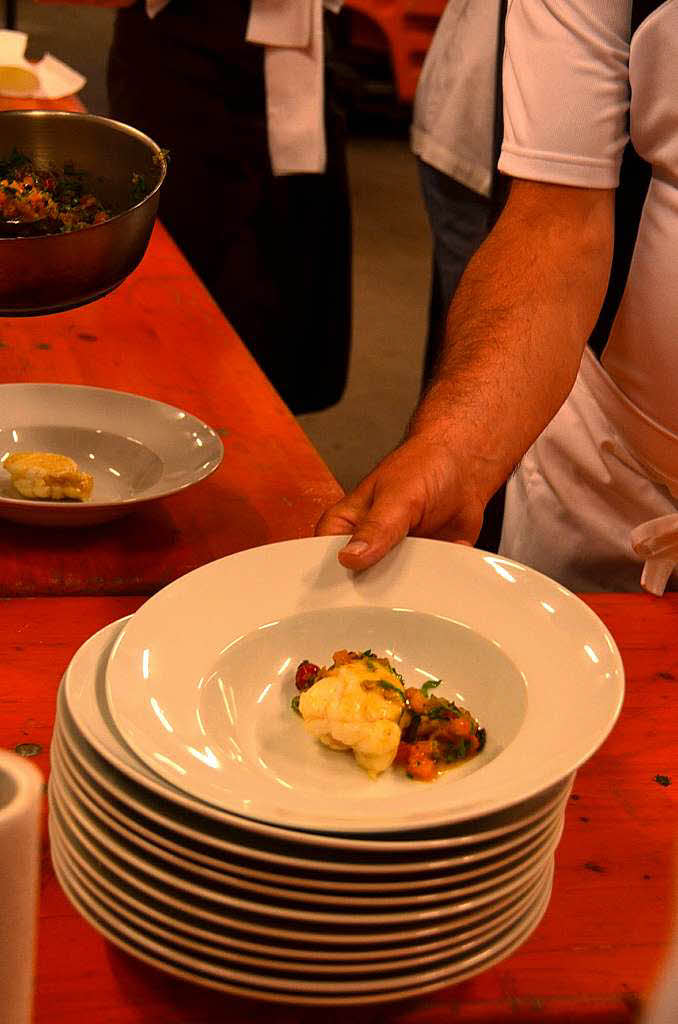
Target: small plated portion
(131, 790)
(360, 703)
(46, 476)
(126, 450)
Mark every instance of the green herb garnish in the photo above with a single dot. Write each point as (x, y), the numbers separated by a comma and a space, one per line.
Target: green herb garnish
(435, 714)
(430, 685)
(12, 163)
(390, 686)
(139, 189)
(458, 751)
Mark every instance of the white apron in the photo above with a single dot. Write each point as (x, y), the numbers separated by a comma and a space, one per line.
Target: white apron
(594, 502)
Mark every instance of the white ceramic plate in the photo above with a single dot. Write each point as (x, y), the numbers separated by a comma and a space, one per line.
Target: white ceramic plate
(136, 449)
(200, 679)
(281, 908)
(95, 741)
(298, 927)
(352, 868)
(140, 943)
(161, 864)
(321, 885)
(114, 894)
(223, 932)
(282, 959)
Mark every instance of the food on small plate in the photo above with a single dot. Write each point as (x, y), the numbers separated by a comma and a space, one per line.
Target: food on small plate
(47, 476)
(360, 703)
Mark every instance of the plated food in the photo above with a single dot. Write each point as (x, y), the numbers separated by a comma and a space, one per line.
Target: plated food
(199, 681)
(360, 703)
(47, 476)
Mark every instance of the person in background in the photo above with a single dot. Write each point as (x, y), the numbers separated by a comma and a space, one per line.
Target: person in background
(584, 250)
(257, 190)
(456, 135)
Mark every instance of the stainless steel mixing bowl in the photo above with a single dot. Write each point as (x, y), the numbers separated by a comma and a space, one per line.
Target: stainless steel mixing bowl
(50, 273)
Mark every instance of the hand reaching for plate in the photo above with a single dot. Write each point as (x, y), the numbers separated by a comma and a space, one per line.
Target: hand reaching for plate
(419, 489)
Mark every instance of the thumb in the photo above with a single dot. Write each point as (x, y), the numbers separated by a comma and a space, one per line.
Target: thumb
(381, 529)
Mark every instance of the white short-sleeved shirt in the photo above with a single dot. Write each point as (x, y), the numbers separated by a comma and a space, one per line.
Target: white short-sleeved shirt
(579, 79)
(454, 106)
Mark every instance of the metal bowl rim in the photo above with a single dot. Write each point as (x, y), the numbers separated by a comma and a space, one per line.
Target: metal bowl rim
(99, 118)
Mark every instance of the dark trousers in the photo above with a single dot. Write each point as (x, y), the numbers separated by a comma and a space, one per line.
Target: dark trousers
(275, 253)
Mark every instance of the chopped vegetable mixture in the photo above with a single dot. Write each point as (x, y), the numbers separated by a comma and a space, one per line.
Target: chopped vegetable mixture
(46, 201)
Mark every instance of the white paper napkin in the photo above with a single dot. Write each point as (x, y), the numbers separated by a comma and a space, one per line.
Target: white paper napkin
(50, 78)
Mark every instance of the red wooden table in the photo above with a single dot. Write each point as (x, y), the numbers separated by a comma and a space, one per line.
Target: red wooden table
(592, 959)
(161, 335)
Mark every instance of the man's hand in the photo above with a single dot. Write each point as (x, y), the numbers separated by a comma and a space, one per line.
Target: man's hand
(419, 490)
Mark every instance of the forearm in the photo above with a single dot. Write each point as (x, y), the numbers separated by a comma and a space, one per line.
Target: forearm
(517, 328)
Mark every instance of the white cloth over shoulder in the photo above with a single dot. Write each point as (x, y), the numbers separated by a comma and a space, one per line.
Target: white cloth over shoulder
(454, 105)
(292, 33)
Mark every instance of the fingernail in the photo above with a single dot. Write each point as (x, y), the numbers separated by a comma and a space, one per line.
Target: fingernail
(355, 547)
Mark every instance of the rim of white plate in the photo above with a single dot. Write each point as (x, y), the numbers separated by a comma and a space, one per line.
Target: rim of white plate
(83, 688)
(165, 660)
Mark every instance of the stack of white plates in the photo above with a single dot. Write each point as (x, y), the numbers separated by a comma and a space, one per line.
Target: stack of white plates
(196, 824)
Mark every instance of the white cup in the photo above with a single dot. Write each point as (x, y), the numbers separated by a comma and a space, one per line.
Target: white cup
(21, 788)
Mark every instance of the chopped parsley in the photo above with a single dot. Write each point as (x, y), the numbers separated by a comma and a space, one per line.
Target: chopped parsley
(430, 685)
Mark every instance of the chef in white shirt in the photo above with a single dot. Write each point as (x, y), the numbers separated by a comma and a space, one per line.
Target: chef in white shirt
(592, 428)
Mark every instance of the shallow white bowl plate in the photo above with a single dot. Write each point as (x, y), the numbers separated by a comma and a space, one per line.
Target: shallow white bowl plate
(280, 957)
(223, 888)
(199, 682)
(138, 941)
(318, 881)
(136, 449)
(94, 741)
